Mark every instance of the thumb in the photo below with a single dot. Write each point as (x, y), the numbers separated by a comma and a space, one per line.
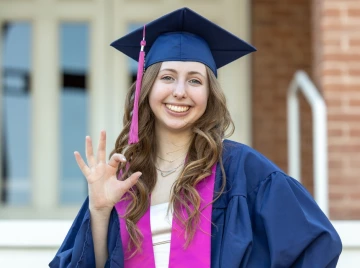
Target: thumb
(132, 180)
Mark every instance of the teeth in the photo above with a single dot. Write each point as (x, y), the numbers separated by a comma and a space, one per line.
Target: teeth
(178, 109)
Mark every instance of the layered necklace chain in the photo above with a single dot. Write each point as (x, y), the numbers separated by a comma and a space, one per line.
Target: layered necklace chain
(171, 161)
(165, 173)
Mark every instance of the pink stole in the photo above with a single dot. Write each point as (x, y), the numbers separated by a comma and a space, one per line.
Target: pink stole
(197, 254)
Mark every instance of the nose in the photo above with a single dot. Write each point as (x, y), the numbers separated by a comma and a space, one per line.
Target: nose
(179, 91)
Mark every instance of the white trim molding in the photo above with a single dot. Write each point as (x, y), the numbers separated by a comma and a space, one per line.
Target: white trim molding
(349, 233)
(51, 233)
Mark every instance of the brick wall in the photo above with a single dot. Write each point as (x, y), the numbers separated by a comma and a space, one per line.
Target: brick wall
(281, 31)
(337, 74)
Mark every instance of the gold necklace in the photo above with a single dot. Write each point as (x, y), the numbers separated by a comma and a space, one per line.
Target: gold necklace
(165, 173)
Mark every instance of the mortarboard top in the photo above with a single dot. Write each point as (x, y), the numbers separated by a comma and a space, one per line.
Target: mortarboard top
(184, 35)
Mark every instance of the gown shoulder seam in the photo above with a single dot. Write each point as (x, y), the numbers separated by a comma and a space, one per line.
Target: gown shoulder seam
(265, 179)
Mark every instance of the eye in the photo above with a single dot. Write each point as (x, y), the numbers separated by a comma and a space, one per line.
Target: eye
(195, 81)
(167, 78)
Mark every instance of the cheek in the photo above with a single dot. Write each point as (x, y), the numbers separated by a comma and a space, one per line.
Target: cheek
(152, 100)
(157, 91)
(156, 97)
(203, 98)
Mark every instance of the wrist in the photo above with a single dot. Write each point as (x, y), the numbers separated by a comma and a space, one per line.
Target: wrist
(103, 212)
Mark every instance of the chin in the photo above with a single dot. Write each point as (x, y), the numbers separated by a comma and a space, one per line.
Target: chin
(177, 128)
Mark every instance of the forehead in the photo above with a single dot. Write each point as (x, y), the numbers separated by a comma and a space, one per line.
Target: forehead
(184, 66)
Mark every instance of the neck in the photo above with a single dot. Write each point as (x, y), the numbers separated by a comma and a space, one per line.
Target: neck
(172, 145)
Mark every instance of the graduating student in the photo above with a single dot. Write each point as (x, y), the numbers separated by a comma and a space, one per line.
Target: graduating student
(175, 193)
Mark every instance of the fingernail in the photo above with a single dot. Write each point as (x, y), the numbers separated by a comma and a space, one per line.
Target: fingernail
(123, 158)
(140, 175)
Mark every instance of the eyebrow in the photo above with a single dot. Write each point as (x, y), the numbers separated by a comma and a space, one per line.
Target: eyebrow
(174, 71)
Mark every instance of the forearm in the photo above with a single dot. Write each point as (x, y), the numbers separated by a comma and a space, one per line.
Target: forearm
(99, 228)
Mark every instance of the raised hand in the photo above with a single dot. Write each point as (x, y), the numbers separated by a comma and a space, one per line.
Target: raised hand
(105, 190)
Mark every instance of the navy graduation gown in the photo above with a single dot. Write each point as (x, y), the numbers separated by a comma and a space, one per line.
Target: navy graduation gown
(263, 219)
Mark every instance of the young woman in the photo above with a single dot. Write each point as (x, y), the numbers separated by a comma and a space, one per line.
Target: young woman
(174, 192)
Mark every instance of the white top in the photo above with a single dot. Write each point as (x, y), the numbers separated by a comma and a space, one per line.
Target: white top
(161, 234)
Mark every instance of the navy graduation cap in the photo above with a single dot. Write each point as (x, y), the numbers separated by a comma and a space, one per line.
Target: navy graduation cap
(181, 35)
(184, 35)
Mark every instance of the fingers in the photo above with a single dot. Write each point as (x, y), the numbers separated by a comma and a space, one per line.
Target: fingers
(116, 159)
(89, 152)
(83, 167)
(101, 154)
(132, 180)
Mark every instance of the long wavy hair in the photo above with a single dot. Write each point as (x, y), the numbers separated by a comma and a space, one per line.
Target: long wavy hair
(204, 151)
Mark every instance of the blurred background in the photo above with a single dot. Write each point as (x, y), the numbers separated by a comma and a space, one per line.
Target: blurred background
(60, 81)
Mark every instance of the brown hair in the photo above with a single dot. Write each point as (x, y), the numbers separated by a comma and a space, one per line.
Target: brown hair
(204, 151)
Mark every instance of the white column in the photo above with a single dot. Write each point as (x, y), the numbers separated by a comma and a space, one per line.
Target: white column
(45, 111)
(236, 77)
(119, 63)
(101, 90)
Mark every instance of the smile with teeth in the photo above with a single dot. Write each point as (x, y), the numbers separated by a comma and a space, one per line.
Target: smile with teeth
(178, 109)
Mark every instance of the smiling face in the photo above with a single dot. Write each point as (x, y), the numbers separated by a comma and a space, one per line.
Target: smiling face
(179, 95)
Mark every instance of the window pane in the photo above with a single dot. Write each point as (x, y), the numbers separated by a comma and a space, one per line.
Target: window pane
(16, 113)
(74, 41)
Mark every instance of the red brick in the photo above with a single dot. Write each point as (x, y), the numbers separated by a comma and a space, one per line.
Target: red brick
(334, 102)
(331, 12)
(335, 164)
(341, 212)
(355, 164)
(354, 42)
(335, 132)
(354, 12)
(351, 189)
(344, 148)
(354, 132)
(354, 102)
(337, 87)
(334, 42)
(338, 27)
(340, 178)
(340, 155)
(332, 72)
(342, 57)
(332, 21)
(354, 72)
(344, 118)
(342, 197)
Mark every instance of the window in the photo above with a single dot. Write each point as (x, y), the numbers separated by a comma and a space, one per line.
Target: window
(16, 113)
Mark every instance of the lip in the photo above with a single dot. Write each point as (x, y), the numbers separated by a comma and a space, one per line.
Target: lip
(177, 104)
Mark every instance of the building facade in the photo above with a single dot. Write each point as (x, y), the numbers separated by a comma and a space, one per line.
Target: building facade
(60, 81)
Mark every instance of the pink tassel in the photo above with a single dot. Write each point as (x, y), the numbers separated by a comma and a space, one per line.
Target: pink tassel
(134, 127)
